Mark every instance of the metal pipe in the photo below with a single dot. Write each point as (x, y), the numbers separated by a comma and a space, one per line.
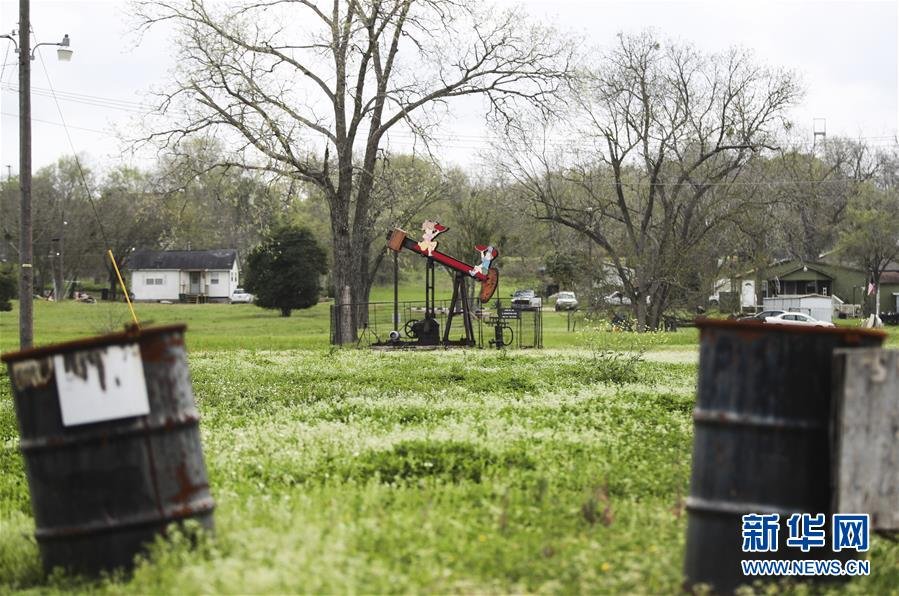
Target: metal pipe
(396, 291)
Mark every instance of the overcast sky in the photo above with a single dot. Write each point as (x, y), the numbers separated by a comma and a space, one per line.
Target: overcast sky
(844, 51)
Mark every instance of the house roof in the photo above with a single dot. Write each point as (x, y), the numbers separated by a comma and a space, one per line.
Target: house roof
(799, 296)
(183, 259)
(805, 269)
(889, 277)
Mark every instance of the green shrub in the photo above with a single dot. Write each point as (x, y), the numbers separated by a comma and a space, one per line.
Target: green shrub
(450, 460)
(8, 286)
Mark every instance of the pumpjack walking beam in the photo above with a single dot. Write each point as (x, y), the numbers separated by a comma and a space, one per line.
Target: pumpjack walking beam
(398, 241)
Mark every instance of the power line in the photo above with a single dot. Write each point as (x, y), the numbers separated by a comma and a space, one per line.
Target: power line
(451, 141)
(87, 188)
(102, 132)
(3, 69)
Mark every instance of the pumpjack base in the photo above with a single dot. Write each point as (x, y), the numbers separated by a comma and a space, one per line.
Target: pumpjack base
(417, 347)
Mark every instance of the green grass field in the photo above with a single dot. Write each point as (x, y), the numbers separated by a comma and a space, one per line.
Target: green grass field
(562, 470)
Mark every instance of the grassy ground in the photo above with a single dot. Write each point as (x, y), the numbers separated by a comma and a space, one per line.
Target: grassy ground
(247, 327)
(562, 470)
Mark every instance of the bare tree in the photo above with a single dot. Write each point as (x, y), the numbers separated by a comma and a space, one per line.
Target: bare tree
(405, 187)
(313, 88)
(870, 232)
(815, 186)
(663, 132)
(129, 217)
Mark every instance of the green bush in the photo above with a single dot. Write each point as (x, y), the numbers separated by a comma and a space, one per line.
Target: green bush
(284, 271)
(8, 286)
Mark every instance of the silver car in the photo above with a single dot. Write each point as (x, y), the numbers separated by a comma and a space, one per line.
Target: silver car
(797, 318)
(566, 301)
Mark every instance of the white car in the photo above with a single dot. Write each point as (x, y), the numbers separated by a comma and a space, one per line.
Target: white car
(618, 298)
(566, 301)
(526, 299)
(797, 318)
(241, 296)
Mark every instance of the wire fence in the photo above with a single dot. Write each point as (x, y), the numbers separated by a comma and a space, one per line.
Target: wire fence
(492, 326)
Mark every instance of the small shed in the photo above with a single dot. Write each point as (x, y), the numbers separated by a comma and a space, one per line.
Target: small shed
(817, 306)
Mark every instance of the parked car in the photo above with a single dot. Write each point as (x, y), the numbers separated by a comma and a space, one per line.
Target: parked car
(797, 318)
(617, 298)
(566, 301)
(762, 315)
(241, 296)
(526, 299)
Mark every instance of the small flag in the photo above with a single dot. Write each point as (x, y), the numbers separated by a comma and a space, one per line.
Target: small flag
(871, 288)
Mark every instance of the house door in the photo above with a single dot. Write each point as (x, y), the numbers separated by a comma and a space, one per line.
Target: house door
(194, 282)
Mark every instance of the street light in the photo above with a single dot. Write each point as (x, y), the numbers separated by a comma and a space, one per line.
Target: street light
(26, 249)
(63, 53)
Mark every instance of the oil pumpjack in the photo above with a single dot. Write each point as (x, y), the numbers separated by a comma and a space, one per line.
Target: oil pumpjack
(426, 331)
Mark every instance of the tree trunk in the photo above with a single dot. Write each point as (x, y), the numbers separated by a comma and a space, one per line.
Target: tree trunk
(655, 309)
(640, 310)
(285, 312)
(346, 273)
(363, 281)
(113, 282)
(346, 331)
(59, 283)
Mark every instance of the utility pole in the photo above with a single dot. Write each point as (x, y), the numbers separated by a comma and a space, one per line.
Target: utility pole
(26, 251)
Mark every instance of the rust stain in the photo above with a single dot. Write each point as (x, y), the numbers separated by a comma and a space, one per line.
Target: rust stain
(31, 373)
(750, 334)
(157, 349)
(186, 486)
(152, 350)
(79, 363)
(125, 338)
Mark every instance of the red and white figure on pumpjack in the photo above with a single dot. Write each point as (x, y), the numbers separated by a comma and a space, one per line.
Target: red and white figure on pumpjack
(429, 231)
(488, 253)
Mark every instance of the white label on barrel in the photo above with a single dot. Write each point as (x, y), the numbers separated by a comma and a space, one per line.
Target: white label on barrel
(101, 384)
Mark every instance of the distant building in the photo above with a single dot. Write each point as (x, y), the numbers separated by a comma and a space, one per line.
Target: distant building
(889, 288)
(845, 284)
(184, 275)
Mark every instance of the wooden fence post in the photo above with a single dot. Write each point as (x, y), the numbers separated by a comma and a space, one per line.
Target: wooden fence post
(866, 434)
(345, 333)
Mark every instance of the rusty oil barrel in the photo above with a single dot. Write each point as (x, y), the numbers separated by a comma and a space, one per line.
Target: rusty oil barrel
(761, 439)
(101, 489)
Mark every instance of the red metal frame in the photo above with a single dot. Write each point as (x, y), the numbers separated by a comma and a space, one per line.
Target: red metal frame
(444, 259)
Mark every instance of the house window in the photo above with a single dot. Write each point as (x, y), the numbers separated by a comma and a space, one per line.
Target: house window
(160, 281)
(214, 278)
(149, 281)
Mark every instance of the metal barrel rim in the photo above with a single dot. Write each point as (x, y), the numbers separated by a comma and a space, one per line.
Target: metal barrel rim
(128, 336)
(749, 326)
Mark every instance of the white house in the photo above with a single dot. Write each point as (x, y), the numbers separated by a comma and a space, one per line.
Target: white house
(186, 275)
(745, 286)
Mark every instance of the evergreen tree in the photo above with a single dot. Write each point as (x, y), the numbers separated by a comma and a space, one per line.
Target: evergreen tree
(283, 272)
